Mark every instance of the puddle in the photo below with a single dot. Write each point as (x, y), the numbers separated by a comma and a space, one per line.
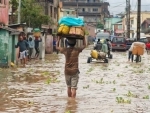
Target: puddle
(41, 88)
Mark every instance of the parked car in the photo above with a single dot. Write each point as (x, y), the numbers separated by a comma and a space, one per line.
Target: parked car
(129, 42)
(118, 43)
(143, 39)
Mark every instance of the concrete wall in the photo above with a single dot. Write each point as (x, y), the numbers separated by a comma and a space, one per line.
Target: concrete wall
(4, 8)
(49, 44)
(4, 45)
(91, 30)
(42, 47)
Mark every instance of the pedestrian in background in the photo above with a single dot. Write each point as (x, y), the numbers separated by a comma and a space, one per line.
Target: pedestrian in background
(23, 45)
(31, 47)
(71, 65)
(130, 56)
(36, 45)
(27, 50)
(109, 46)
(54, 45)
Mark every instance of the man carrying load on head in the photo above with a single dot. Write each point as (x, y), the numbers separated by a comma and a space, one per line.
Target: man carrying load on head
(71, 65)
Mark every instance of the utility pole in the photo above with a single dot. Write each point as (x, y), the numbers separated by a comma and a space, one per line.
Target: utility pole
(19, 11)
(96, 23)
(128, 17)
(138, 19)
(77, 9)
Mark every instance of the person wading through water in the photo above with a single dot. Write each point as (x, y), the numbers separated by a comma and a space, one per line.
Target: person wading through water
(31, 47)
(36, 42)
(23, 45)
(71, 65)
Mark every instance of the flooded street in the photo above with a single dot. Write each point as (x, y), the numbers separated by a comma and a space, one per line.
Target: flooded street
(116, 87)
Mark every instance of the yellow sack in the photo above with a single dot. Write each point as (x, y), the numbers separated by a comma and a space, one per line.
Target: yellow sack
(37, 34)
(94, 54)
(137, 50)
(140, 50)
(134, 50)
(63, 29)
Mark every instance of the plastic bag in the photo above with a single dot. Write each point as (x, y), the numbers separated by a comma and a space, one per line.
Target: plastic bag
(71, 21)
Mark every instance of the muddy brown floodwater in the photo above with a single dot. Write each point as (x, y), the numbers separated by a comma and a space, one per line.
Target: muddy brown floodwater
(116, 87)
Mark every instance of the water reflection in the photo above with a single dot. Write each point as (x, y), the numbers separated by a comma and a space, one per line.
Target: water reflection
(71, 106)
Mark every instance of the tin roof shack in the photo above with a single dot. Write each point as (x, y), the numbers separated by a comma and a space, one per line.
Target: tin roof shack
(19, 27)
(8, 40)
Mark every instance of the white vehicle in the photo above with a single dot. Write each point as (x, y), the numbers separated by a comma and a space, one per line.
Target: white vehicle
(101, 36)
(142, 35)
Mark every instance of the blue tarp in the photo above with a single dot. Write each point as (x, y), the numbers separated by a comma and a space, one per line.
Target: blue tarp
(71, 21)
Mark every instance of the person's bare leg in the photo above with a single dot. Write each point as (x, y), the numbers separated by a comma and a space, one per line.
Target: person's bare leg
(21, 61)
(73, 92)
(69, 92)
(24, 61)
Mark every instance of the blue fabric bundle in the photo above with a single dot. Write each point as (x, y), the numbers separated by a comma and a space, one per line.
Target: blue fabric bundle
(71, 21)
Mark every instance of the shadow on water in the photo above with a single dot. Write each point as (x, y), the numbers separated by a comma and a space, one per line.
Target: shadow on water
(71, 106)
(4, 90)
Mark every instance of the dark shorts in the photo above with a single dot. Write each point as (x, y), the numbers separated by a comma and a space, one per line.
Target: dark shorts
(72, 81)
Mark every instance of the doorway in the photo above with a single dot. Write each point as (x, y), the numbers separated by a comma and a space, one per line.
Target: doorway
(13, 49)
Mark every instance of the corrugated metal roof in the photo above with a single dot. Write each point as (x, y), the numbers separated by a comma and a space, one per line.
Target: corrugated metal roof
(13, 31)
(21, 24)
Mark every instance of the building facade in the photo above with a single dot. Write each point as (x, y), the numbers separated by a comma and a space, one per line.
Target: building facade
(4, 7)
(51, 9)
(133, 21)
(109, 22)
(93, 12)
(145, 25)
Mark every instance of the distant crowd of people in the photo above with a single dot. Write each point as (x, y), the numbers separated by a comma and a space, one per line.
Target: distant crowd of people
(26, 46)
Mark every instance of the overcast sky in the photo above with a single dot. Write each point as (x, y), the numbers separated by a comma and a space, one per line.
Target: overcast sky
(118, 6)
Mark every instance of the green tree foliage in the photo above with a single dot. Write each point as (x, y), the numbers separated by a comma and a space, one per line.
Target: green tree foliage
(14, 6)
(100, 25)
(32, 13)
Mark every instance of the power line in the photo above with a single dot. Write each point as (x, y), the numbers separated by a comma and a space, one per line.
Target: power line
(138, 19)
(136, 5)
(119, 5)
(125, 6)
(116, 2)
(128, 17)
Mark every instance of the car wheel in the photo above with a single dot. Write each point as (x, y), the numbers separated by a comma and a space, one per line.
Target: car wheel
(113, 50)
(106, 61)
(110, 56)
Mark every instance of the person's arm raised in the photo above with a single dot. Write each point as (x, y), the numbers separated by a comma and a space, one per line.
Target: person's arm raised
(84, 43)
(62, 50)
